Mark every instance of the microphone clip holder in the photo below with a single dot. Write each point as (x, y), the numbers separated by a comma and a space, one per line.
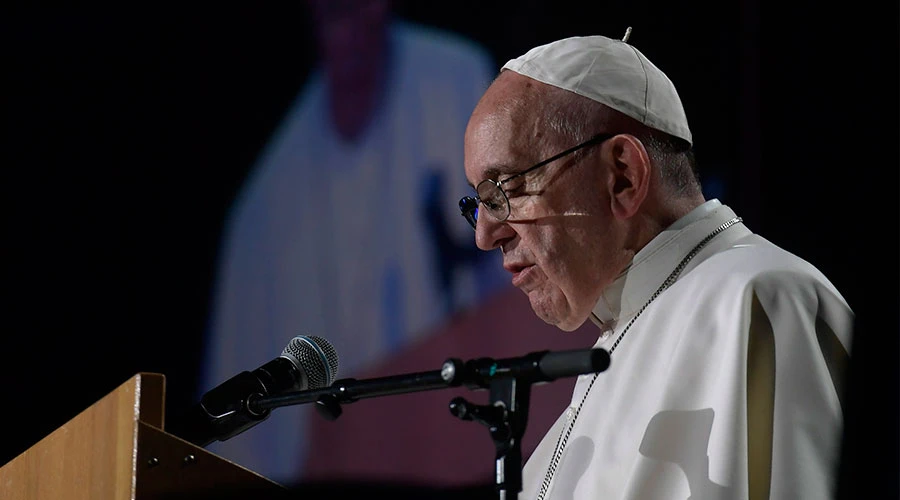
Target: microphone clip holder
(506, 418)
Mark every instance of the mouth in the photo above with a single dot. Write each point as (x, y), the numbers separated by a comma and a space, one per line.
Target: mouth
(520, 272)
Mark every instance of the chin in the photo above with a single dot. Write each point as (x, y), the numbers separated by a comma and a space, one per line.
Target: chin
(555, 310)
(570, 326)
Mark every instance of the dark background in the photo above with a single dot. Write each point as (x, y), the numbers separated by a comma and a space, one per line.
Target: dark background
(128, 132)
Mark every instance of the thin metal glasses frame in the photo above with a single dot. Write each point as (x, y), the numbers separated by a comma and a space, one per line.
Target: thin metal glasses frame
(468, 205)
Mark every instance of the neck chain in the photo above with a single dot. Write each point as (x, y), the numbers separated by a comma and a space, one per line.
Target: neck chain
(564, 436)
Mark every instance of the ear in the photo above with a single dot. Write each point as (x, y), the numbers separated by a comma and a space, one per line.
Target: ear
(629, 181)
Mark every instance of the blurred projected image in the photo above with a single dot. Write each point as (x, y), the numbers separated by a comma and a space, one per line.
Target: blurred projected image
(348, 227)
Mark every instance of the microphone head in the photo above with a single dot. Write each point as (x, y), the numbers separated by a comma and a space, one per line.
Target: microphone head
(316, 357)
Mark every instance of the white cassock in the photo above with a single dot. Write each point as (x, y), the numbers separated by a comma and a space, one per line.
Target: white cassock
(330, 238)
(728, 385)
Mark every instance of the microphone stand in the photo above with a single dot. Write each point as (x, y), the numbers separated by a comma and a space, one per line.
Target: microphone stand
(506, 417)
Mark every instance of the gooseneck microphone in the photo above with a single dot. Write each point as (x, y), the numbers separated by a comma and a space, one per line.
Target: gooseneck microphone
(308, 362)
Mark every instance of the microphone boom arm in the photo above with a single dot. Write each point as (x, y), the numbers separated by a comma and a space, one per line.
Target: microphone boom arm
(350, 390)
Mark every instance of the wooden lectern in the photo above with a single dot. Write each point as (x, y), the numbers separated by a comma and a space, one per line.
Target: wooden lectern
(117, 449)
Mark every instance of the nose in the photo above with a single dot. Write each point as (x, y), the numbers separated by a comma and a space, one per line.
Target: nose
(491, 233)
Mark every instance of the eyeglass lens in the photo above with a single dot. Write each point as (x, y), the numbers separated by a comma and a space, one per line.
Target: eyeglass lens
(493, 199)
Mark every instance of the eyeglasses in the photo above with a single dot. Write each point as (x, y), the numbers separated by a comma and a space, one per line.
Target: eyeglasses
(491, 195)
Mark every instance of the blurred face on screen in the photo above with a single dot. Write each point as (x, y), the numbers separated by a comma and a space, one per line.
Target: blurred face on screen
(352, 43)
(351, 35)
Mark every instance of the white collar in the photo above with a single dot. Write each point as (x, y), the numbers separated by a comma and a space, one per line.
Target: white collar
(652, 264)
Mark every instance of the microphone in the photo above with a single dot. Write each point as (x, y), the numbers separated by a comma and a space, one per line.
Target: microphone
(308, 362)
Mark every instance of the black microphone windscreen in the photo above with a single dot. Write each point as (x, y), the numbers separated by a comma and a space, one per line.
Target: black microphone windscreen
(316, 357)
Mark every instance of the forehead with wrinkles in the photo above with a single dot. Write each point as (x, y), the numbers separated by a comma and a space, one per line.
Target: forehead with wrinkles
(514, 100)
(508, 126)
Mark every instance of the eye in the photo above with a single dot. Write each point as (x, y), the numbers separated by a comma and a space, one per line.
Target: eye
(492, 204)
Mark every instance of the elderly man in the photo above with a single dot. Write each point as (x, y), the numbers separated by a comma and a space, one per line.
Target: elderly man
(728, 352)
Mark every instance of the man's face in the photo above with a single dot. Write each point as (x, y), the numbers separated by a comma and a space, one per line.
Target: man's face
(560, 242)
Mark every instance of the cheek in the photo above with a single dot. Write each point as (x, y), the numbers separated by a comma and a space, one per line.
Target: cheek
(561, 258)
(578, 264)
